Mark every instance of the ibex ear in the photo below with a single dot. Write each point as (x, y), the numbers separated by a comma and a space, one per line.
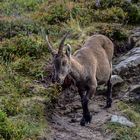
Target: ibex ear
(68, 50)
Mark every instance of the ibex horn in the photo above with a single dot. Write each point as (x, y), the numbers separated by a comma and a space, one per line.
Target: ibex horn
(49, 46)
(60, 51)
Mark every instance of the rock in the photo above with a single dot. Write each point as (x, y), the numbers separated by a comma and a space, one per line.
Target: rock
(133, 94)
(116, 79)
(129, 64)
(134, 39)
(122, 120)
(135, 88)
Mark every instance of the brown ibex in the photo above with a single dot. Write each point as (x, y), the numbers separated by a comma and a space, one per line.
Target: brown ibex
(89, 66)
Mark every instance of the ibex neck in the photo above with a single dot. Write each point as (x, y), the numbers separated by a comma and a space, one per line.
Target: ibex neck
(76, 69)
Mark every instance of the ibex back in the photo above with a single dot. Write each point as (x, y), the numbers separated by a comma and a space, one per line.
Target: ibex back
(89, 66)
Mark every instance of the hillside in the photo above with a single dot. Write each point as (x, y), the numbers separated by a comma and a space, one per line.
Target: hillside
(27, 97)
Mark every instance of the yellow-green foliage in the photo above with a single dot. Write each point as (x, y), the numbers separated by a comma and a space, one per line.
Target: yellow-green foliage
(8, 129)
(114, 14)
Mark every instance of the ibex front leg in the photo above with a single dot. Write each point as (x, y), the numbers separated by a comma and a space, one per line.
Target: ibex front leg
(109, 94)
(85, 100)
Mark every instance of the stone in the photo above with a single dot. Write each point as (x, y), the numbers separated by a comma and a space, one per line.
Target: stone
(135, 88)
(122, 120)
(134, 39)
(129, 64)
(116, 79)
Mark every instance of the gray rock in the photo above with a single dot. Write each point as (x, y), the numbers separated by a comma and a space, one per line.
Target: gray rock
(133, 94)
(135, 88)
(116, 79)
(122, 120)
(129, 64)
(134, 39)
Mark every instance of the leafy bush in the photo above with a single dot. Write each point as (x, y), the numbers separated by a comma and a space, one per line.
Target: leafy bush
(17, 7)
(10, 27)
(8, 130)
(22, 46)
(12, 106)
(115, 32)
(111, 3)
(133, 15)
(114, 14)
(57, 14)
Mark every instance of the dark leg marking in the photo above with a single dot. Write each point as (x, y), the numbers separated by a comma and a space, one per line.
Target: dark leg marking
(109, 94)
(86, 114)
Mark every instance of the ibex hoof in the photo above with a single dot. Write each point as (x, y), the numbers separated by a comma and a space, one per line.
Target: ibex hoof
(108, 103)
(86, 119)
(82, 122)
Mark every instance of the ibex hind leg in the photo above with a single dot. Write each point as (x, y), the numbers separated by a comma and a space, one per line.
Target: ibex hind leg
(109, 94)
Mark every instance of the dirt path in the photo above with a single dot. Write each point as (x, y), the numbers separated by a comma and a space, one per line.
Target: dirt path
(65, 120)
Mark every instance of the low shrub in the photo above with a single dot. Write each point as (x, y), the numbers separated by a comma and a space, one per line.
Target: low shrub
(8, 130)
(11, 105)
(113, 14)
(22, 46)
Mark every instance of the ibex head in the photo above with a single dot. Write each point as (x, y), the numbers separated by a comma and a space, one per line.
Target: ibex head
(61, 60)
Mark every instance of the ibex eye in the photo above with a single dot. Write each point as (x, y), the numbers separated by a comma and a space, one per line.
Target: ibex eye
(64, 63)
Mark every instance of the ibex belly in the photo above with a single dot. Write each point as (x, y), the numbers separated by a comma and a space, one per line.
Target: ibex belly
(103, 72)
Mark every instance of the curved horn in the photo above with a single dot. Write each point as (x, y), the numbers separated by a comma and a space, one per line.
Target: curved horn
(60, 51)
(49, 46)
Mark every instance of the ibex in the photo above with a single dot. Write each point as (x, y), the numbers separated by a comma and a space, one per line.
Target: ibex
(89, 66)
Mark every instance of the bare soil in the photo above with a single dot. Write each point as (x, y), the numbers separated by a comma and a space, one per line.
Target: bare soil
(65, 119)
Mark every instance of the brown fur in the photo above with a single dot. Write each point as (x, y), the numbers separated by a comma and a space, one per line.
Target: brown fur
(93, 62)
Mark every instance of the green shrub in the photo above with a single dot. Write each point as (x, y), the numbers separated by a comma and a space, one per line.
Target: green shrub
(8, 130)
(17, 7)
(113, 14)
(10, 27)
(111, 3)
(113, 31)
(133, 14)
(11, 106)
(22, 46)
(57, 14)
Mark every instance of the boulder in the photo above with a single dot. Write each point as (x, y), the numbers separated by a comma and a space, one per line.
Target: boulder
(133, 94)
(134, 39)
(116, 79)
(129, 64)
(122, 120)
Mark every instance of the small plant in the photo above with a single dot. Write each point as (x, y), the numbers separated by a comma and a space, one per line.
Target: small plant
(113, 14)
(12, 106)
(133, 15)
(8, 130)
